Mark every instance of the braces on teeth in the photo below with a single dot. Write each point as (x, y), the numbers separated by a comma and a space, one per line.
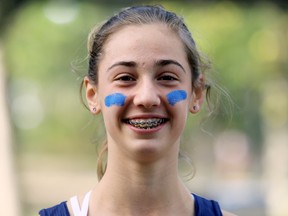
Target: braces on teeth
(146, 124)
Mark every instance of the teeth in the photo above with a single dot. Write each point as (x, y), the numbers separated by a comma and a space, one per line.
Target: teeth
(146, 123)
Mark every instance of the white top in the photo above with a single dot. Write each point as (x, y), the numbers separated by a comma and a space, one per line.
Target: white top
(83, 210)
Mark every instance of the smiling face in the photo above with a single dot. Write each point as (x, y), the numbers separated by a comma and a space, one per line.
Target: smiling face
(144, 91)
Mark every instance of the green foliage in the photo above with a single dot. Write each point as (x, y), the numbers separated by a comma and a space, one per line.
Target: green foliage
(48, 57)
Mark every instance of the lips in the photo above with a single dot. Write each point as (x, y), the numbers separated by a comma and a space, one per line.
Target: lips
(146, 123)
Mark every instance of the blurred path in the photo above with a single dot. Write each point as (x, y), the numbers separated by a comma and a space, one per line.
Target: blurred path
(8, 190)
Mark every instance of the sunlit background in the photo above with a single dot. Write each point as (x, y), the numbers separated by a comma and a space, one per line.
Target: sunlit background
(48, 139)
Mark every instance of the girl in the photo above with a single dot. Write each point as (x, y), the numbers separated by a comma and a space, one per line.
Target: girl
(145, 76)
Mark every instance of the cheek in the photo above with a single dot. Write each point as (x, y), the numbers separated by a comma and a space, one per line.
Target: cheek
(176, 96)
(116, 99)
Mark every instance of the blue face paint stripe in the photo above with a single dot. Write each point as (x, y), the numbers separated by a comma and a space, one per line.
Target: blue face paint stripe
(116, 99)
(176, 96)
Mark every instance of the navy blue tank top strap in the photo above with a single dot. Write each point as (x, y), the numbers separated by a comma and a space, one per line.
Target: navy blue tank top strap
(58, 210)
(204, 207)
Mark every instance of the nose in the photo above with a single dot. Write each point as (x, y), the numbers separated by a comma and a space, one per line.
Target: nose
(147, 95)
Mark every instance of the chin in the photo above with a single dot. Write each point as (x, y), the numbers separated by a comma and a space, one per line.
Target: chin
(149, 152)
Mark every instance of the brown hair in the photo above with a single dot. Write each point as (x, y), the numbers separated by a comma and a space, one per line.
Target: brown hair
(138, 15)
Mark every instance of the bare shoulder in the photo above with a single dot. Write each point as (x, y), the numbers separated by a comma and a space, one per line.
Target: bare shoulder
(69, 207)
(225, 213)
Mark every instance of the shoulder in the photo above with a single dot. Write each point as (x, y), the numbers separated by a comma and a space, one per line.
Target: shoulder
(205, 206)
(60, 209)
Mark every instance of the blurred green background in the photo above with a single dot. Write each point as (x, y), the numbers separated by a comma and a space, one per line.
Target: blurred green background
(239, 152)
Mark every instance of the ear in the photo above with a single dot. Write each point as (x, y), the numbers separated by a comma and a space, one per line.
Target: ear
(92, 98)
(197, 95)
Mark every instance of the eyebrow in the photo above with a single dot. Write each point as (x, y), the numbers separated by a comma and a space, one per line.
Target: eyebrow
(159, 63)
(123, 63)
(165, 62)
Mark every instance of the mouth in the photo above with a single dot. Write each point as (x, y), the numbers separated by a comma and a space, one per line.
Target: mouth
(146, 123)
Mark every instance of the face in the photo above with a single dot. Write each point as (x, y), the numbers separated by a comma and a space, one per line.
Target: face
(144, 91)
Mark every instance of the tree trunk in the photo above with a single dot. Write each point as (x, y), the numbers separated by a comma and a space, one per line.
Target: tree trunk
(9, 204)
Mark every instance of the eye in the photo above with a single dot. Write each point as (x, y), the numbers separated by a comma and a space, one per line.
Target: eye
(167, 77)
(125, 78)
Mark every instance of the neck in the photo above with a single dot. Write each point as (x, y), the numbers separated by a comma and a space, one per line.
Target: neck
(154, 177)
(144, 188)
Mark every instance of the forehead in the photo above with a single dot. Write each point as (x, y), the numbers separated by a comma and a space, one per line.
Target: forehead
(143, 42)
